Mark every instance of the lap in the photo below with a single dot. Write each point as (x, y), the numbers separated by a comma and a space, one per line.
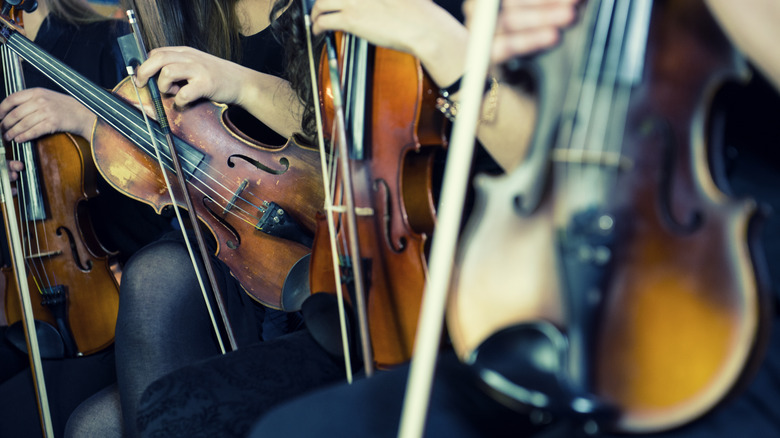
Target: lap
(223, 396)
(68, 382)
(372, 407)
(458, 409)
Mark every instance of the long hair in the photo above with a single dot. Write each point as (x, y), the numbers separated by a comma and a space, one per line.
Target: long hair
(211, 26)
(75, 12)
(288, 27)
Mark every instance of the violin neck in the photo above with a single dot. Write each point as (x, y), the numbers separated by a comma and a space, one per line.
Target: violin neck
(356, 84)
(29, 185)
(115, 112)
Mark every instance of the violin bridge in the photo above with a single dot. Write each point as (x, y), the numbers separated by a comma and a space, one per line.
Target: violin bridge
(359, 211)
(599, 158)
(276, 222)
(43, 255)
(237, 193)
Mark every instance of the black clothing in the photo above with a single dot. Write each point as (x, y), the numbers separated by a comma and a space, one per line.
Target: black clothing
(89, 49)
(261, 52)
(163, 324)
(372, 407)
(121, 223)
(68, 382)
(194, 402)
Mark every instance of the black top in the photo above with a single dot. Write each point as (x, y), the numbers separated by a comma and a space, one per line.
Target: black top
(121, 223)
(90, 49)
(260, 52)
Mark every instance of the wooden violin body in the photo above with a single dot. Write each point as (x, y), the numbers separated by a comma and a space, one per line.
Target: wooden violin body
(257, 201)
(681, 321)
(393, 201)
(69, 273)
(72, 280)
(233, 186)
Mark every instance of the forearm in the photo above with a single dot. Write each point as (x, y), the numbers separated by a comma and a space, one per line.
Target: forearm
(85, 124)
(506, 124)
(272, 101)
(507, 118)
(440, 47)
(753, 27)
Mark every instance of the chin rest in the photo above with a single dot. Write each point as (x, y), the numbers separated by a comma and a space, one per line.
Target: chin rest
(50, 342)
(525, 368)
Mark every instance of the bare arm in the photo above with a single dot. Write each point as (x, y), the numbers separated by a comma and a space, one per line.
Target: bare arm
(425, 30)
(754, 27)
(32, 113)
(190, 74)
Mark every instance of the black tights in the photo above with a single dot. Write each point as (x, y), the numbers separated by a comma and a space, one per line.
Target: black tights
(162, 325)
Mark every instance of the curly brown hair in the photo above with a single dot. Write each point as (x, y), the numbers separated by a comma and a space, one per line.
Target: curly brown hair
(211, 26)
(288, 26)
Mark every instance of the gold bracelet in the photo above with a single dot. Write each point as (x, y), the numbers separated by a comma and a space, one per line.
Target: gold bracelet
(449, 108)
(490, 104)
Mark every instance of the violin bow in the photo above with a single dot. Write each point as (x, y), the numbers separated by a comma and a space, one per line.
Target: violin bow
(139, 57)
(328, 207)
(17, 255)
(448, 219)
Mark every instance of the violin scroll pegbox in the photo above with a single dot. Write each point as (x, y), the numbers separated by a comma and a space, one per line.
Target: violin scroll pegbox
(19, 5)
(11, 10)
(7, 16)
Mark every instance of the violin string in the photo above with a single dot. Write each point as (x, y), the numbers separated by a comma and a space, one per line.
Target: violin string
(27, 317)
(22, 189)
(37, 221)
(630, 73)
(569, 114)
(349, 226)
(604, 107)
(578, 193)
(83, 91)
(338, 197)
(13, 82)
(325, 163)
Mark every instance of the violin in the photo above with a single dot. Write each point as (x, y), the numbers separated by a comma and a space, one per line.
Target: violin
(258, 202)
(71, 275)
(391, 144)
(614, 254)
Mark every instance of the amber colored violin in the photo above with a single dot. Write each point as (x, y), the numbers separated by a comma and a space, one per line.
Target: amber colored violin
(259, 202)
(390, 167)
(70, 275)
(634, 265)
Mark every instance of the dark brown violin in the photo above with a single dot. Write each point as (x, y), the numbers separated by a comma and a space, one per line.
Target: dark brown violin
(634, 256)
(390, 165)
(70, 275)
(257, 201)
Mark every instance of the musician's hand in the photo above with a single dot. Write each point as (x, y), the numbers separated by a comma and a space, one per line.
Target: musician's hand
(190, 74)
(35, 112)
(419, 27)
(526, 26)
(395, 24)
(14, 167)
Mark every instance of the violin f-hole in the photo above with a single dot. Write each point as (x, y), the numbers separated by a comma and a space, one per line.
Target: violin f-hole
(386, 211)
(283, 161)
(84, 267)
(695, 220)
(214, 212)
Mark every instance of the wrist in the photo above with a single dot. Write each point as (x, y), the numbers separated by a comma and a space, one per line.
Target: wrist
(441, 48)
(248, 89)
(448, 105)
